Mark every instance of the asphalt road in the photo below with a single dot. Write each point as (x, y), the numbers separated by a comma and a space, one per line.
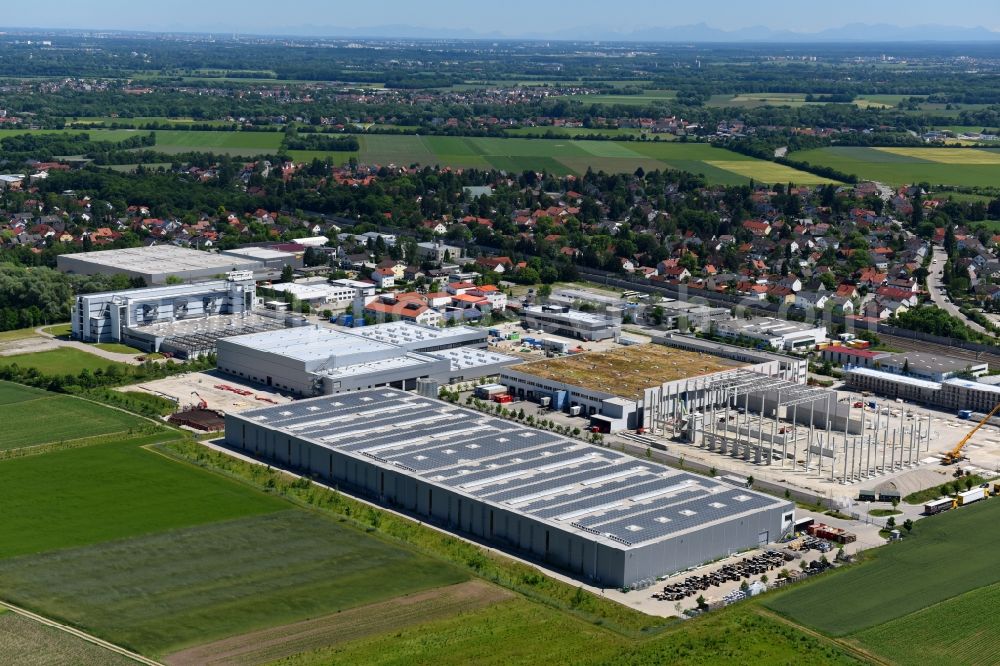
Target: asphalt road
(936, 290)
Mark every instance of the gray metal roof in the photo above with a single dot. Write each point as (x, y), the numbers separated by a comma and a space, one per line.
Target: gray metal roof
(552, 479)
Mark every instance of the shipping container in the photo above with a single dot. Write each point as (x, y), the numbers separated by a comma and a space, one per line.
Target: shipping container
(487, 391)
(559, 399)
(502, 398)
(970, 496)
(965, 413)
(866, 496)
(575, 410)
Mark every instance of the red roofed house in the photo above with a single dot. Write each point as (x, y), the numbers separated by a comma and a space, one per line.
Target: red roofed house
(848, 356)
(384, 278)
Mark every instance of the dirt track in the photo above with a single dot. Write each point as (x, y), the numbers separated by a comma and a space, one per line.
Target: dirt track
(277, 642)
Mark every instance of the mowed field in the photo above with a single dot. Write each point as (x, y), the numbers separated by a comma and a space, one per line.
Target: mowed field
(63, 361)
(898, 166)
(911, 601)
(28, 643)
(169, 590)
(54, 418)
(566, 156)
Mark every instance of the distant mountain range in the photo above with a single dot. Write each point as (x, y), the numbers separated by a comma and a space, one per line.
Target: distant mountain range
(699, 32)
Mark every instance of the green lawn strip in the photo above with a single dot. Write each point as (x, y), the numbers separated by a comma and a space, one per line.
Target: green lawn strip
(117, 348)
(26, 642)
(519, 631)
(11, 393)
(166, 591)
(490, 566)
(59, 330)
(945, 556)
(64, 361)
(81, 496)
(957, 631)
(17, 334)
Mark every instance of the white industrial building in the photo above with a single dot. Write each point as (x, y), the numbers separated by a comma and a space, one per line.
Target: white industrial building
(773, 332)
(156, 263)
(275, 260)
(124, 316)
(315, 360)
(598, 514)
(953, 393)
(561, 320)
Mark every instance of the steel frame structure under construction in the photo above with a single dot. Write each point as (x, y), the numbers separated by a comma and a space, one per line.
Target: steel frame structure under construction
(755, 417)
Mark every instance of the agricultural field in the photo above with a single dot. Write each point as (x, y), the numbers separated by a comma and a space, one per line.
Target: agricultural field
(519, 631)
(31, 417)
(572, 132)
(233, 143)
(63, 361)
(917, 597)
(564, 156)
(899, 166)
(38, 645)
(75, 497)
(648, 97)
(165, 591)
(965, 631)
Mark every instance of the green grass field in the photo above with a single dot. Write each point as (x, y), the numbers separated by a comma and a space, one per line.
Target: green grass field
(948, 555)
(519, 631)
(60, 361)
(32, 417)
(647, 98)
(169, 590)
(961, 630)
(233, 143)
(28, 643)
(76, 497)
(897, 166)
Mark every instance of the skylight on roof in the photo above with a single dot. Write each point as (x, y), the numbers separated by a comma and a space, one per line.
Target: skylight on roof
(717, 505)
(662, 519)
(742, 498)
(633, 528)
(686, 512)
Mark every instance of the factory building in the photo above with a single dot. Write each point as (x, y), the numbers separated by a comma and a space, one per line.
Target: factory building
(560, 320)
(269, 258)
(416, 338)
(118, 316)
(156, 263)
(595, 513)
(953, 393)
(313, 360)
(772, 332)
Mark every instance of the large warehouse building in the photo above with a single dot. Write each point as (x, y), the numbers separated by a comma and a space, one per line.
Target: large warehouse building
(156, 263)
(599, 514)
(314, 360)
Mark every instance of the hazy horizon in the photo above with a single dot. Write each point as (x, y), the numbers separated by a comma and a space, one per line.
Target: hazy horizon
(514, 19)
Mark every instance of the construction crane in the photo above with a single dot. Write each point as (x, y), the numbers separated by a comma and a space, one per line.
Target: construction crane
(204, 405)
(953, 456)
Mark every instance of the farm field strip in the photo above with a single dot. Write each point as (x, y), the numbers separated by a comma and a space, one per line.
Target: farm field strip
(75, 497)
(173, 589)
(947, 155)
(958, 631)
(395, 614)
(894, 582)
(37, 644)
(899, 166)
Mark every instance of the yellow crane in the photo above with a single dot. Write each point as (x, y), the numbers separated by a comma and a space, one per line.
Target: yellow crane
(953, 456)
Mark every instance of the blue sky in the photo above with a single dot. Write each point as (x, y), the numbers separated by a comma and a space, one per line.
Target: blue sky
(509, 17)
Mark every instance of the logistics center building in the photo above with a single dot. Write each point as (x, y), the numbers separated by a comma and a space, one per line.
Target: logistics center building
(599, 514)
